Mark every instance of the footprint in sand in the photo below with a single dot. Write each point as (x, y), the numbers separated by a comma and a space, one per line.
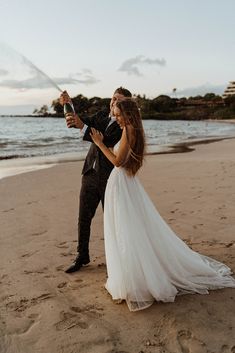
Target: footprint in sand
(29, 254)
(88, 310)
(39, 271)
(33, 316)
(33, 301)
(41, 298)
(18, 306)
(68, 321)
(20, 326)
(39, 233)
(190, 344)
(62, 285)
(76, 285)
(67, 253)
(115, 351)
(173, 211)
(6, 297)
(78, 280)
(50, 276)
(4, 276)
(101, 265)
(30, 202)
(229, 244)
(76, 309)
(8, 210)
(62, 245)
(225, 349)
(25, 303)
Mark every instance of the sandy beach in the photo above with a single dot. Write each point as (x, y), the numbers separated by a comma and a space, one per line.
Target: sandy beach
(44, 310)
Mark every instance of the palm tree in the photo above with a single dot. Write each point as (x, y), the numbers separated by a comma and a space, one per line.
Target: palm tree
(174, 91)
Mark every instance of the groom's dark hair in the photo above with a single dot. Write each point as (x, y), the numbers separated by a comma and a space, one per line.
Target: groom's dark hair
(125, 92)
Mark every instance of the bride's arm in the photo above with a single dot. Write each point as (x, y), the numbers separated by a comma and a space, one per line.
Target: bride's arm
(124, 147)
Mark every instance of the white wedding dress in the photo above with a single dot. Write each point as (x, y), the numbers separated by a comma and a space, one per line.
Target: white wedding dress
(146, 260)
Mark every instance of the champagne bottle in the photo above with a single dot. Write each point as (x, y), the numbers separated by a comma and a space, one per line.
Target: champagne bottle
(69, 109)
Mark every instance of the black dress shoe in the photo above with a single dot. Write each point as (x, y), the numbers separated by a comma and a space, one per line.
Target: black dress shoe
(78, 263)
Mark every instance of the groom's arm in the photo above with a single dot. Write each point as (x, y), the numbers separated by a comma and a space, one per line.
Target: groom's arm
(112, 138)
(97, 121)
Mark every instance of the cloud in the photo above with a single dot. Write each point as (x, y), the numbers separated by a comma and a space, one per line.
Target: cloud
(34, 82)
(130, 66)
(85, 71)
(3, 72)
(86, 77)
(42, 82)
(85, 80)
(200, 90)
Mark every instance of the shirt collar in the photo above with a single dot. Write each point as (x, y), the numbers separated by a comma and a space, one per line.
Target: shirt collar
(112, 118)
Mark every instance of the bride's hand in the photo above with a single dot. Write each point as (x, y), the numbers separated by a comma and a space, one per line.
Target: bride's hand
(97, 136)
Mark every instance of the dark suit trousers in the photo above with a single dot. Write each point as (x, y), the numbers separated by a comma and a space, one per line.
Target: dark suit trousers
(92, 192)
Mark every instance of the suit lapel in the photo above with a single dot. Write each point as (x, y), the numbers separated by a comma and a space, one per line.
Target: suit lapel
(111, 127)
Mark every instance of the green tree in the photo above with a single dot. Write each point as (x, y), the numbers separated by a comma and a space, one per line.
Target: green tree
(163, 103)
(43, 110)
(80, 103)
(57, 107)
(212, 97)
(230, 101)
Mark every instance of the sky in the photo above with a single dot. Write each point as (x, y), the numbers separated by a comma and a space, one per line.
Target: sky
(92, 47)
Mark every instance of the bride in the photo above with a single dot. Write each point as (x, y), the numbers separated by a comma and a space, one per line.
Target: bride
(146, 260)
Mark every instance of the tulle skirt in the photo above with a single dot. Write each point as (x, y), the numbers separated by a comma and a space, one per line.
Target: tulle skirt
(146, 260)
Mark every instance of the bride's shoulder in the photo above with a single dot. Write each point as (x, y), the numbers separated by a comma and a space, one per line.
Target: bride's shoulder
(130, 134)
(126, 141)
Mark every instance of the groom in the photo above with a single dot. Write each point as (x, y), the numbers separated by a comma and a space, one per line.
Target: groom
(96, 169)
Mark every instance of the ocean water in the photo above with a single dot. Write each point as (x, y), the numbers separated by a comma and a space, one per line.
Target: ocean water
(29, 143)
(29, 137)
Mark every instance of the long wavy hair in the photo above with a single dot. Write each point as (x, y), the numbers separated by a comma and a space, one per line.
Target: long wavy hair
(131, 114)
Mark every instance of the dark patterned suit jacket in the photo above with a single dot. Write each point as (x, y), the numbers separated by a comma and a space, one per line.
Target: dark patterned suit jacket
(112, 134)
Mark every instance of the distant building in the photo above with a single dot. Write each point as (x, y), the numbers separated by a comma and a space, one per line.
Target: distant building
(230, 90)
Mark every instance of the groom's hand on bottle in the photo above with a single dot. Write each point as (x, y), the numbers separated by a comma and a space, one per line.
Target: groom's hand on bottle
(72, 120)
